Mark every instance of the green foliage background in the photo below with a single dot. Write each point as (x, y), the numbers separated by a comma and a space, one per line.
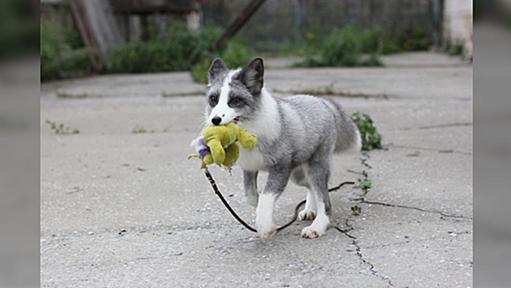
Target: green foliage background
(351, 46)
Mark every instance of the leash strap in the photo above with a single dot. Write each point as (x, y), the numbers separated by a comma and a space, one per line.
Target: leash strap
(226, 204)
(242, 222)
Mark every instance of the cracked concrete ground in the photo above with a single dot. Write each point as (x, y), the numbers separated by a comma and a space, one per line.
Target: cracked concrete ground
(125, 209)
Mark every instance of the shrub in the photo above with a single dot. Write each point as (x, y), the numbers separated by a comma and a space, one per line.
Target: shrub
(19, 28)
(235, 55)
(389, 45)
(348, 46)
(176, 50)
(60, 55)
(200, 70)
(414, 40)
(370, 39)
(342, 48)
(455, 50)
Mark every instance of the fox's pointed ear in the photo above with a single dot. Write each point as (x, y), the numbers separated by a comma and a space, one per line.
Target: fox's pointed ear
(216, 69)
(252, 76)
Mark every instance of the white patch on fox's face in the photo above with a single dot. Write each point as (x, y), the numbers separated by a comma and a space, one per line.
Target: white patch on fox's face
(222, 109)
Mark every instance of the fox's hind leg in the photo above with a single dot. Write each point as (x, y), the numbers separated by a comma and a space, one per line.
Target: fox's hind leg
(300, 179)
(318, 173)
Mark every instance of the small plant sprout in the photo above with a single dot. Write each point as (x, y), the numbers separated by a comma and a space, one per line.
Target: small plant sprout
(365, 184)
(61, 129)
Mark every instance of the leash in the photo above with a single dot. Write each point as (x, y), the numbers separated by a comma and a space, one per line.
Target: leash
(242, 222)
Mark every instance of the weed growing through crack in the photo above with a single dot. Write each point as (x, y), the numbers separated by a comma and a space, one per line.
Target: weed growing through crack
(356, 210)
(371, 139)
(365, 184)
(60, 129)
(319, 91)
(141, 130)
(66, 95)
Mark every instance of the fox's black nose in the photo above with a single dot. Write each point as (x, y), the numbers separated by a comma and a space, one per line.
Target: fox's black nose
(216, 120)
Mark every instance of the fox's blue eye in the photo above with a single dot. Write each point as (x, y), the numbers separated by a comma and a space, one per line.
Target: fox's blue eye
(213, 99)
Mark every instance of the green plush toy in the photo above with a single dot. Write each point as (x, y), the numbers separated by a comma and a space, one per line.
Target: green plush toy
(220, 144)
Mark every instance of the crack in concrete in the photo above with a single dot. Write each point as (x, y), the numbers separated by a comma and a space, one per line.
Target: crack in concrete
(404, 242)
(166, 94)
(362, 199)
(364, 160)
(358, 252)
(445, 151)
(129, 230)
(447, 215)
(327, 91)
(354, 239)
(447, 125)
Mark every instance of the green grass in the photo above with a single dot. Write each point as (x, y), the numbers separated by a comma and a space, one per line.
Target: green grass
(371, 139)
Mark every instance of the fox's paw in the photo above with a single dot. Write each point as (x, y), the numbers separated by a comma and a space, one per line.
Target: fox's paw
(265, 232)
(307, 215)
(317, 228)
(311, 233)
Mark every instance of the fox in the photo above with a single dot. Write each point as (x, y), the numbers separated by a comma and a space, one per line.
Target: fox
(296, 138)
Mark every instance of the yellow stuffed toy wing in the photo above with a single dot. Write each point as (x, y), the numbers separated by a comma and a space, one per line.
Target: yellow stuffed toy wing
(247, 140)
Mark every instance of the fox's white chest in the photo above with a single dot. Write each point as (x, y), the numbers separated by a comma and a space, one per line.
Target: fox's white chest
(251, 160)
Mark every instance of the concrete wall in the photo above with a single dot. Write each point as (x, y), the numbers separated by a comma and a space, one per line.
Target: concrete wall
(457, 25)
(282, 21)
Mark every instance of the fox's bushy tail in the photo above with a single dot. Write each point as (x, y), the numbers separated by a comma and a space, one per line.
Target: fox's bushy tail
(348, 136)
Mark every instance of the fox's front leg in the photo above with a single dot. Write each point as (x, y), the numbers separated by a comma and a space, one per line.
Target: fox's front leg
(277, 181)
(250, 185)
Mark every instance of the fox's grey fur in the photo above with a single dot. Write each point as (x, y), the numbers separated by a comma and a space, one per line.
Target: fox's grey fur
(296, 137)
